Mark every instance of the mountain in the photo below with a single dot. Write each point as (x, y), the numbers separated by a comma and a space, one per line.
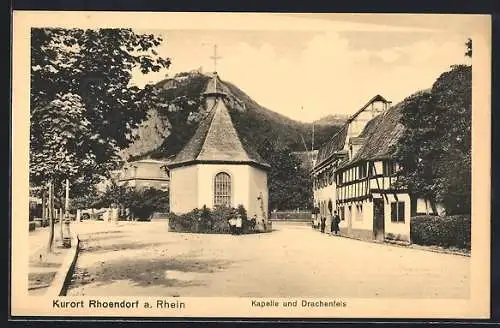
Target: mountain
(179, 107)
(334, 119)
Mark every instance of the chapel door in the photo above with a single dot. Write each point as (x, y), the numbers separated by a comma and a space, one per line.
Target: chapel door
(378, 219)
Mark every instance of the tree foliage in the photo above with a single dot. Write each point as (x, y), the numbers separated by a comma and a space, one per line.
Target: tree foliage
(289, 183)
(435, 150)
(141, 202)
(468, 45)
(83, 107)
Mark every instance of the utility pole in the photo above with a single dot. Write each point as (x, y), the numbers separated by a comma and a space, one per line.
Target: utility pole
(312, 146)
(311, 156)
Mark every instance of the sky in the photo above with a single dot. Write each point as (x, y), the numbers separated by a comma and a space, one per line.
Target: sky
(312, 65)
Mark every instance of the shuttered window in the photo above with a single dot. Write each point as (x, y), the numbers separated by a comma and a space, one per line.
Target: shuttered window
(398, 212)
(222, 190)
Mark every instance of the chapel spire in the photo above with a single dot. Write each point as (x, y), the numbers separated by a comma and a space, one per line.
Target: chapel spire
(214, 88)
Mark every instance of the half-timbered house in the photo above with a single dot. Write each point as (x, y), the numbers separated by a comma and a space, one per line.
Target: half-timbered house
(337, 150)
(361, 178)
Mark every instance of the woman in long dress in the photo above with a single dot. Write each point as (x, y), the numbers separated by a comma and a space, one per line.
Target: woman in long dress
(232, 225)
(239, 224)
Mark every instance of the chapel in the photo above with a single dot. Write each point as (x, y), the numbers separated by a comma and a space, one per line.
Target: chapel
(217, 167)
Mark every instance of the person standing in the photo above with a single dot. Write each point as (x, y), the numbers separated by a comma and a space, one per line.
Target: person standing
(239, 224)
(335, 223)
(253, 222)
(323, 224)
(232, 225)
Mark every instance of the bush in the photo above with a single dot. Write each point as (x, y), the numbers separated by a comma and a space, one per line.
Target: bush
(206, 220)
(144, 203)
(141, 202)
(450, 231)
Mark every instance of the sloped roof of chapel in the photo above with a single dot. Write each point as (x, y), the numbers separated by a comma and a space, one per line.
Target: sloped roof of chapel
(217, 140)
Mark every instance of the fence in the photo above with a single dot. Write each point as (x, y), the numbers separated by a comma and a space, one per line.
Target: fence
(291, 216)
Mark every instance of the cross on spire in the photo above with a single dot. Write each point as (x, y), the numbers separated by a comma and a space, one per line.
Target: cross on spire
(215, 57)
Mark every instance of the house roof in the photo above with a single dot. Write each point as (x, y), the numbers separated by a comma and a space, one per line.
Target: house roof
(148, 160)
(382, 134)
(375, 98)
(356, 141)
(337, 141)
(216, 139)
(335, 144)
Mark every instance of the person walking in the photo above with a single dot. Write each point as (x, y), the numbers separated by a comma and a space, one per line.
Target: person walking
(335, 223)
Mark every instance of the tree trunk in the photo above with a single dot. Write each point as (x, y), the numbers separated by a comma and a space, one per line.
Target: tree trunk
(66, 199)
(51, 217)
(434, 207)
(44, 206)
(61, 219)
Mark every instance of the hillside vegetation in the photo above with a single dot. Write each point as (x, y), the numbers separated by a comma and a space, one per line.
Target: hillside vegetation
(333, 119)
(178, 105)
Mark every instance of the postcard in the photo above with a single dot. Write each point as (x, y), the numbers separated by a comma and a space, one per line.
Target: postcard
(250, 165)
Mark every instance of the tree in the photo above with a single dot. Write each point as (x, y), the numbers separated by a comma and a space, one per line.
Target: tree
(114, 194)
(435, 149)
(452, 99)
(468, 45)
(289, 183)
(141, 202)
(83, 107)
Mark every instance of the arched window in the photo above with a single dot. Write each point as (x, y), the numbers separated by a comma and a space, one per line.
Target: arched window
(222, 189)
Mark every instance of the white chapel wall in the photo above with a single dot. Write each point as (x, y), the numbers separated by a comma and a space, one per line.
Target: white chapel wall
(183, 189)
(240, 177)
(257, 186)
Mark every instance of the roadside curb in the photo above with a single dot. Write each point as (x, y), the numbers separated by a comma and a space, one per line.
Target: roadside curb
(410, 246)
(59, 285)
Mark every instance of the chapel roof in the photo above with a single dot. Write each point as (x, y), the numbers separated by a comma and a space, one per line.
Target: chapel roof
(217, 140)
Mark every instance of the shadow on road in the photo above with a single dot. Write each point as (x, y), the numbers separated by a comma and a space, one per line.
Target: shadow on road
(114, 247)
(175, 272)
